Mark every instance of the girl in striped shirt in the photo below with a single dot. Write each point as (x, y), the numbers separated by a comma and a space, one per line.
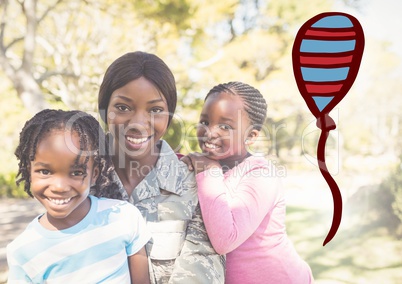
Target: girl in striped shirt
(80, 238)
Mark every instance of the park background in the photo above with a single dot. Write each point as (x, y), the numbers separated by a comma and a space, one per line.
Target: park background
(53, 53)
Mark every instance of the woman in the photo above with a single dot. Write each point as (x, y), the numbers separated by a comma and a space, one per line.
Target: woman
(137, 100)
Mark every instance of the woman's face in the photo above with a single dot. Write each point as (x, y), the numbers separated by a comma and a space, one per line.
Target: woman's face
(137, 117)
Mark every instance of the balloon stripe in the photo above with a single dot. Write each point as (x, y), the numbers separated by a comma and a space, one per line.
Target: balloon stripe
(333, 22)
(325, 60)
(323, 74)
(330, 33)
(327, 46)
(322, 102)
(322, 89)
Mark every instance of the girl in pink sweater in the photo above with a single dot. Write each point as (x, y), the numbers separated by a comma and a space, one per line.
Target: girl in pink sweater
(241, 198)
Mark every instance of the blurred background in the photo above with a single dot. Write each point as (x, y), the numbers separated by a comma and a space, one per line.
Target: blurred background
(53, 54)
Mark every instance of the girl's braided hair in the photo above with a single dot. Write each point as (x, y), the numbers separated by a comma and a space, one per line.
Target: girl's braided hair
(91, 138)
(254, 103)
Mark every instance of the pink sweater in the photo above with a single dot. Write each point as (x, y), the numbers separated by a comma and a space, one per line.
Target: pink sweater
(244, 213)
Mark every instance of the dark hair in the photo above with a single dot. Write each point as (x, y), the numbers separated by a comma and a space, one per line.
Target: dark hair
(92, 138)
(255, 104)
(132, 66)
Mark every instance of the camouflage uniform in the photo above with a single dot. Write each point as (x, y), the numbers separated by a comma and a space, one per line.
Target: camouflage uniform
(180, 250)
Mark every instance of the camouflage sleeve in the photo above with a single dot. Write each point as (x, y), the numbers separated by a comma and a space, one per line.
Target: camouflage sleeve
(198, 262)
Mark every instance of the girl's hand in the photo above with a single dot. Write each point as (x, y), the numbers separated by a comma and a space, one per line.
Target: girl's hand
(188, 162)
(198, 162)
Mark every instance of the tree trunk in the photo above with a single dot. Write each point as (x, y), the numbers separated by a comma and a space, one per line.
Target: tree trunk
(29, 92)
(28, 89)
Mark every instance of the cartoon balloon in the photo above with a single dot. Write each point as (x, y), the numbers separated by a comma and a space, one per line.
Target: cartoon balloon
(326, 56)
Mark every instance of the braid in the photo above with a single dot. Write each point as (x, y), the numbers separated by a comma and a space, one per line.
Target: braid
(91, 140)
(31, 133)
(254, 103)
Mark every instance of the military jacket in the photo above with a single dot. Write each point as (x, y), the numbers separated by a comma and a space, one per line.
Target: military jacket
(179, 250)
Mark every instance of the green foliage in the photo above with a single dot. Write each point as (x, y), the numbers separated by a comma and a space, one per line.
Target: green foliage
(8, 188)
(288, 13)
(13, 117)
(181, 136)
(177, 12)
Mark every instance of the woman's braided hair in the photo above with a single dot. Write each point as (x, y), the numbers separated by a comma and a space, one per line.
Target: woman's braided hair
(254, 103)
(91, 138)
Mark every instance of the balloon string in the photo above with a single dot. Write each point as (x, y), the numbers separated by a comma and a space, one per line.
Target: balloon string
(326, 124)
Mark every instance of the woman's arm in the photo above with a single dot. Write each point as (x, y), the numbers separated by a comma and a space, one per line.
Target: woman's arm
(138, 265)
(197, 262)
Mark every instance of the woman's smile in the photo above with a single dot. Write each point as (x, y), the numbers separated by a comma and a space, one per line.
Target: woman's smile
(133, 143)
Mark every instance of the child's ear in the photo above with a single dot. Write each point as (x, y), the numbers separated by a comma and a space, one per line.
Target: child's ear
(252, 136)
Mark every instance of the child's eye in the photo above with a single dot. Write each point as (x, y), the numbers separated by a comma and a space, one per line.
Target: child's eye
(203, 122)
(225, 127)
(122, 108)
(44, 172)
(77, 173)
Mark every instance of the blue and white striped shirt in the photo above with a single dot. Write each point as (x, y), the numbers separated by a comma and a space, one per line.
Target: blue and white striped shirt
(94, 250)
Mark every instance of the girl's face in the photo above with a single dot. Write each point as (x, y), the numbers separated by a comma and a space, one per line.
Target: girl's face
(223, 129)
(137, 118)
(59, 183)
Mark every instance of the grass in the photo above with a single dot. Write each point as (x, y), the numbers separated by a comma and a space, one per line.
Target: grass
(361, 252)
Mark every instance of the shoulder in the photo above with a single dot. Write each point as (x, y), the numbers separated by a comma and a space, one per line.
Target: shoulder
(30, 234)
(171, 158)
(262, 164)
(114, 205)
(257, 161)
(171, 167)
(258, 168)
(259, 171)
(103, 202)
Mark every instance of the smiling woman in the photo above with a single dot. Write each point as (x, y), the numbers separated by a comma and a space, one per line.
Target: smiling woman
(137, 100)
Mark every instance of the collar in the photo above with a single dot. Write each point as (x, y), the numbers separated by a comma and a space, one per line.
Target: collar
(167, 174)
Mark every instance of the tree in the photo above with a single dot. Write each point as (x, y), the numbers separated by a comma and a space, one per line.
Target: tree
(21, 73)
(55, 51)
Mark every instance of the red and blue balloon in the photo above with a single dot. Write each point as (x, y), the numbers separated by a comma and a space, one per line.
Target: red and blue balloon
(326, 55)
